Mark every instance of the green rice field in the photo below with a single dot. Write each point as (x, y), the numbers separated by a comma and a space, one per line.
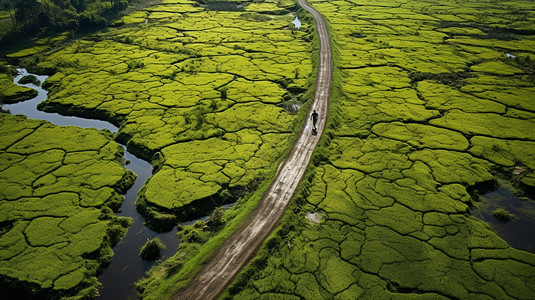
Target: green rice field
(432, 103)
(434, 100)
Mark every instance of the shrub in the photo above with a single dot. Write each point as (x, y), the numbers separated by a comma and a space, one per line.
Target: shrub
(151, 249)
(216, 218)
(503, 215)
(29, 79)
(135, 64)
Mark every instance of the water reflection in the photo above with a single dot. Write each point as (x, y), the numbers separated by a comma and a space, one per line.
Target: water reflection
(297, 23)
(518, 232)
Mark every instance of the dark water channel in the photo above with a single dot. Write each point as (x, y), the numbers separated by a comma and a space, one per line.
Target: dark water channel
(126, 267)
(519, 232)
(224, 5)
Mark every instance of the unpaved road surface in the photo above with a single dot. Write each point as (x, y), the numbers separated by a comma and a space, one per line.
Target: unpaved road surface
(237, 251)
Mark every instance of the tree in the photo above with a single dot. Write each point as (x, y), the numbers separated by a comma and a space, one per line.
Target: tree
(9, 7)
(27, 11)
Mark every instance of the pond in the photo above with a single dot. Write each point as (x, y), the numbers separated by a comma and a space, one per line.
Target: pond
(297, 23)
(126, 267)
(518, 232)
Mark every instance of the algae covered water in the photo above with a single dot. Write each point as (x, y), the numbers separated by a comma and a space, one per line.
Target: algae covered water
(126, 267)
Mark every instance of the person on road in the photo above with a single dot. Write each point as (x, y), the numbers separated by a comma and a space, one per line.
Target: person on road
(314, 121)
(314, 118)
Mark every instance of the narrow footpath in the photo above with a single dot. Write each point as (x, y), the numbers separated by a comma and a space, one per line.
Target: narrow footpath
(239, 249)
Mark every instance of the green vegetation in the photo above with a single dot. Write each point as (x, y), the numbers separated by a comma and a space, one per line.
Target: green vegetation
(503, 215)
(198, 242)
(29, 79)
(33, 17)
(151, 249)
(426, 105)
(201, 94)
(191, 238)
(12, 93)
(59, 186)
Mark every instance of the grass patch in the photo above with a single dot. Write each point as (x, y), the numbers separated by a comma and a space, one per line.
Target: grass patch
(503, 215)
(30, 79)
(56, 207)
(12, 93)
(202, 102)
(391, 180)
(151, 249)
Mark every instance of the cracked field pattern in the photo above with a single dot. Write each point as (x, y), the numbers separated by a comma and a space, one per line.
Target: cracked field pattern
(59, 186)
(11, 93)
(429, 103)
(206, 96)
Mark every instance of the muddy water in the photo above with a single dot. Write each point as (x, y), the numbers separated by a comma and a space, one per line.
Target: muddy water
(518, 232)
(126, 267)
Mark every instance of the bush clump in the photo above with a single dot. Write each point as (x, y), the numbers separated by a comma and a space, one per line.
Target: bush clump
(503, 215)
(151, 249)
(30, 79)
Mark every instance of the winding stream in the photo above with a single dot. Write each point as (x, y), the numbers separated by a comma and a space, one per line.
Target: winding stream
(126, 267)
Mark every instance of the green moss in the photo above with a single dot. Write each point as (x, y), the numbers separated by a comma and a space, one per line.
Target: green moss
(69, 280)
(55, 191)
(486, 124)
(529, 181)
(504, 152)
(503, 215)
(452, 167)
(496, 67)
(421, 136)
(447, 98)
(29, 51)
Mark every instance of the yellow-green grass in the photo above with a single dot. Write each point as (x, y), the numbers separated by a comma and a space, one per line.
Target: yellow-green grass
(420, 117)
(11, 93)
(30, 51)
(59, 185)
(5, 14)
(187, 77)
(199, 241)
(200, 94)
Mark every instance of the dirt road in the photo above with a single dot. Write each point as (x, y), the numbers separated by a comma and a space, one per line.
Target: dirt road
(237, 251)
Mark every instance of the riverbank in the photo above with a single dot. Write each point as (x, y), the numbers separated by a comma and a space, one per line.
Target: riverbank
(60, 187)
(127, 267)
